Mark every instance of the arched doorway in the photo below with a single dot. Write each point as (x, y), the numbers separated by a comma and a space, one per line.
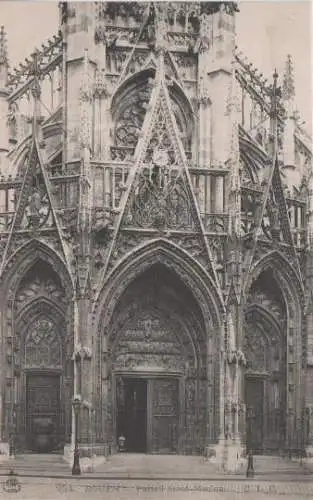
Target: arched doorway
(158, 361)
(265, 390)
(39, 365)
(266, 373)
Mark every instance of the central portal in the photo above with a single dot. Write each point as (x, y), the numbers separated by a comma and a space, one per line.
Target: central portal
(147, 414)
(156, 384)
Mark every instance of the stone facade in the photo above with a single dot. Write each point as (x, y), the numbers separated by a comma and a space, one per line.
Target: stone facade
(155, 239)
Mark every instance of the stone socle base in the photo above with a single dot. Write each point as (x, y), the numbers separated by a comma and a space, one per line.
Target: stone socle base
(4, 451)
(309, 453)
(228, 456)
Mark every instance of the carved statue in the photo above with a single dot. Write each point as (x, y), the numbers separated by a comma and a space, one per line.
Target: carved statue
(35, 203)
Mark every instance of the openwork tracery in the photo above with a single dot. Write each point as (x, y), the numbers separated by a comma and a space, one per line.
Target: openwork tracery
(43, 346)
(160, 196)
(130, 106)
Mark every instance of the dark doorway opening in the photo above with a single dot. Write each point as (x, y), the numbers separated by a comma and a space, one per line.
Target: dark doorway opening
(254, 414)
(43, 413)
(132, 415)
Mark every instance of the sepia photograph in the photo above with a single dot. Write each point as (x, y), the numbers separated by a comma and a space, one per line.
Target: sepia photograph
(156, 250)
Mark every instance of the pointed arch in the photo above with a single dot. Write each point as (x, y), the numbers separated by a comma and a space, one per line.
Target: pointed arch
(264, 313)
(287, 352)
(25, 257)
(282, 270)
(33, 279)
(41, 305)
(172, 256)
(160, 282)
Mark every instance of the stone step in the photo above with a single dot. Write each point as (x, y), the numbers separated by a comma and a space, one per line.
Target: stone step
(31, 463)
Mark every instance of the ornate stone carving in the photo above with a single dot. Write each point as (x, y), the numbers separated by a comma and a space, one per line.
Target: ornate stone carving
(82, 352)
(122, 10)
(148, 342)
(37, 210)
(186, 65)
(125, 243)
(111, 35)
(43, 346)
(37, 288)
(129, 123)
(101, 86)
(12, 120)
(256, 352)
(160, 197)
(212, 7)
(130, 113)
(236, 357)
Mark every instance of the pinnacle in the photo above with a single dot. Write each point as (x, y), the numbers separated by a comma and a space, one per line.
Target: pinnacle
(288, 79)
(3, 46)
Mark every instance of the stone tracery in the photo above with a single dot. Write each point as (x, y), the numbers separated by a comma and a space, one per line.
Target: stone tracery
(130, 106)
(43, 345)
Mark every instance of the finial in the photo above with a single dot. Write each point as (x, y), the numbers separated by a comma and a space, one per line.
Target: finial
(3, 46)
(34, 66)
(288, 79)
(276, 91)
(35, 72)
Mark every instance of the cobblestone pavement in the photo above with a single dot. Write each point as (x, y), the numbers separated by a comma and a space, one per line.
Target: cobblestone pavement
(73, 489)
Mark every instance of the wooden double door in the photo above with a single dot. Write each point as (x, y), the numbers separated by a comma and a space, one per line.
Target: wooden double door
(265, 415)
(43, 429)
(148, 414)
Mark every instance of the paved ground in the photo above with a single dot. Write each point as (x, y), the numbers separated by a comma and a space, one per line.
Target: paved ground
(142, 466)
(153, 477)
(193, 467)
(72, 489)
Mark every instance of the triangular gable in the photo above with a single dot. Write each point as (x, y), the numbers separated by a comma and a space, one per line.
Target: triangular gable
(34, 209)
(159, 180)
(273, 220)
(160, 196)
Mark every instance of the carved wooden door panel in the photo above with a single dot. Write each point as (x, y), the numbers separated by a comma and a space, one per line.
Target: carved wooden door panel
(164, 415)
(255, 414)
(43, 412)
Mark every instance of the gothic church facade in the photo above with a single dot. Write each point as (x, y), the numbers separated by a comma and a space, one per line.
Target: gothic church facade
(155, 239)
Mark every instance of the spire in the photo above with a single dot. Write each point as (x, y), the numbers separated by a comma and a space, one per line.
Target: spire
(288, 80)
(3, 47)
(4, 64)
(36, 91)
(276, 94)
